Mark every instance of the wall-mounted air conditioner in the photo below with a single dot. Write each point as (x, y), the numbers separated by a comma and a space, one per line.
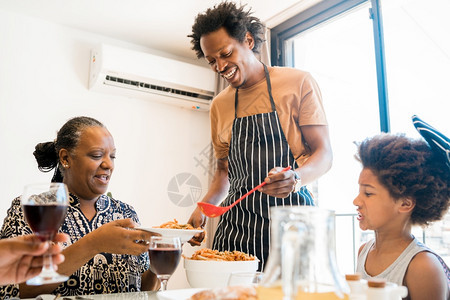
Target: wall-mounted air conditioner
(142, 75)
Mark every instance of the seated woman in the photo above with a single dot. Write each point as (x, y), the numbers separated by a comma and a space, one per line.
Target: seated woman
(103, 254)
(403, 183)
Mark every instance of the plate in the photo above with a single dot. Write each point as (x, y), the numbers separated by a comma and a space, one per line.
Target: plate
(182, 294)
(184, 234)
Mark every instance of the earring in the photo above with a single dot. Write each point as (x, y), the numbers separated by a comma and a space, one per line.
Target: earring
(65, 166)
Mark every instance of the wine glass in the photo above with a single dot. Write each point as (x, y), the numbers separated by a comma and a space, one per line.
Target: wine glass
(44, 206)
(165, 254)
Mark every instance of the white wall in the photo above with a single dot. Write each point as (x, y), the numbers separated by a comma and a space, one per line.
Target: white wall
(43, 82)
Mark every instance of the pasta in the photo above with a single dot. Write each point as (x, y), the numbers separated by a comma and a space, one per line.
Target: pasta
(175, 225)
(208, 254)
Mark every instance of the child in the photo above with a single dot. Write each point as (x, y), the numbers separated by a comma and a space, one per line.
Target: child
(404, 182)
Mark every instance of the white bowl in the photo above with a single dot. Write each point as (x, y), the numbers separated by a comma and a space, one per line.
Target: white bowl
(212, 274)
(184, 234)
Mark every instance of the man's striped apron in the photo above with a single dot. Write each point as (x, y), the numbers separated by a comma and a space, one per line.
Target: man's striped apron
(257, 145)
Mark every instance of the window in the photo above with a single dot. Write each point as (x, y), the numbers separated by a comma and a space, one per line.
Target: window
(341, 44)
(418, 63)
(339, 55)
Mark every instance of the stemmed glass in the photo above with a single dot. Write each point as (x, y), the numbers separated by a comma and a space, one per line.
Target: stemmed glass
(165, 254)
(45, 206)
(245, 278)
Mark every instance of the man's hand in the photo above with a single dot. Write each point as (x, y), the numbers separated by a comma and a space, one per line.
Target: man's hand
(279, 184)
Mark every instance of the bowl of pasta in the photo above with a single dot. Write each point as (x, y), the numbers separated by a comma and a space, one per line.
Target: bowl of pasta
(174, 229)
(208, 268)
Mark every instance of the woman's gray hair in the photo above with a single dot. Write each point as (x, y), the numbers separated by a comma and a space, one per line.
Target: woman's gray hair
(68, 136)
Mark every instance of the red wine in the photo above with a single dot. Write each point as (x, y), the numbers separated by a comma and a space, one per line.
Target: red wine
(45, 220)
(164, 260)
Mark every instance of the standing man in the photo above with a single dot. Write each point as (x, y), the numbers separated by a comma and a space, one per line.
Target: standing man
(267, 118)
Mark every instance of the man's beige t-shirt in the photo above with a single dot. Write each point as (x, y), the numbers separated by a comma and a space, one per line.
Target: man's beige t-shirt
(297, 99)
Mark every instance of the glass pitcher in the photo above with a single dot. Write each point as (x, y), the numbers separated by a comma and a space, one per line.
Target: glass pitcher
(302, 260)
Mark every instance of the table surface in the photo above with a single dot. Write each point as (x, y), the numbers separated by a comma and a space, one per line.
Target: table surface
(177, 294)
(118, 296)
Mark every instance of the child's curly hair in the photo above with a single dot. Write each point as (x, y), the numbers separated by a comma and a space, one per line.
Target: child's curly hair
(408, 168)
(236, 21)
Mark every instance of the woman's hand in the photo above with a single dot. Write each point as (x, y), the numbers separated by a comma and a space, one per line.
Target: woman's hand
(197, 219)
(21, 257)
(279, 184)
(120, 237)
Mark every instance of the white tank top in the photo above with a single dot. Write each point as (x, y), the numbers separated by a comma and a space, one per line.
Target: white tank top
(396, 271)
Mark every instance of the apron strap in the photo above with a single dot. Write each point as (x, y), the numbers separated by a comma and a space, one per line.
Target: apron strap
(269, 89)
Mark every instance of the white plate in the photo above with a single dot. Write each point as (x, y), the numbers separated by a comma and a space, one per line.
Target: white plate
(184, 234)
(182, 294)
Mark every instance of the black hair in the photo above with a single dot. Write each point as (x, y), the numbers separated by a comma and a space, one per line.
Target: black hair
(408, 168)
(68, 136)
(236, 21)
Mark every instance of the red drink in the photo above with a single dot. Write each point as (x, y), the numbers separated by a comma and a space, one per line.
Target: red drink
(44, 206)
(45, 220)
(164, 260)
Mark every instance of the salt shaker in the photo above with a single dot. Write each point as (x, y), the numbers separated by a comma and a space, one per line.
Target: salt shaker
(377, 290)
(358, 287)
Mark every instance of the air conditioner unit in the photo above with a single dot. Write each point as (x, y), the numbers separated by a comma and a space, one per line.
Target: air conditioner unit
(142, 75)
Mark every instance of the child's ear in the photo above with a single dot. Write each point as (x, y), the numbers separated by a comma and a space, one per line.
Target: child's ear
(407, 205)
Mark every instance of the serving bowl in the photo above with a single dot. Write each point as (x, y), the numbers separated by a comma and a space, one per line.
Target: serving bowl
(184, 234)
(212, 273)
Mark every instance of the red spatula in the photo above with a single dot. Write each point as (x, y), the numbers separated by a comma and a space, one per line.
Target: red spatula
(213, 211)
